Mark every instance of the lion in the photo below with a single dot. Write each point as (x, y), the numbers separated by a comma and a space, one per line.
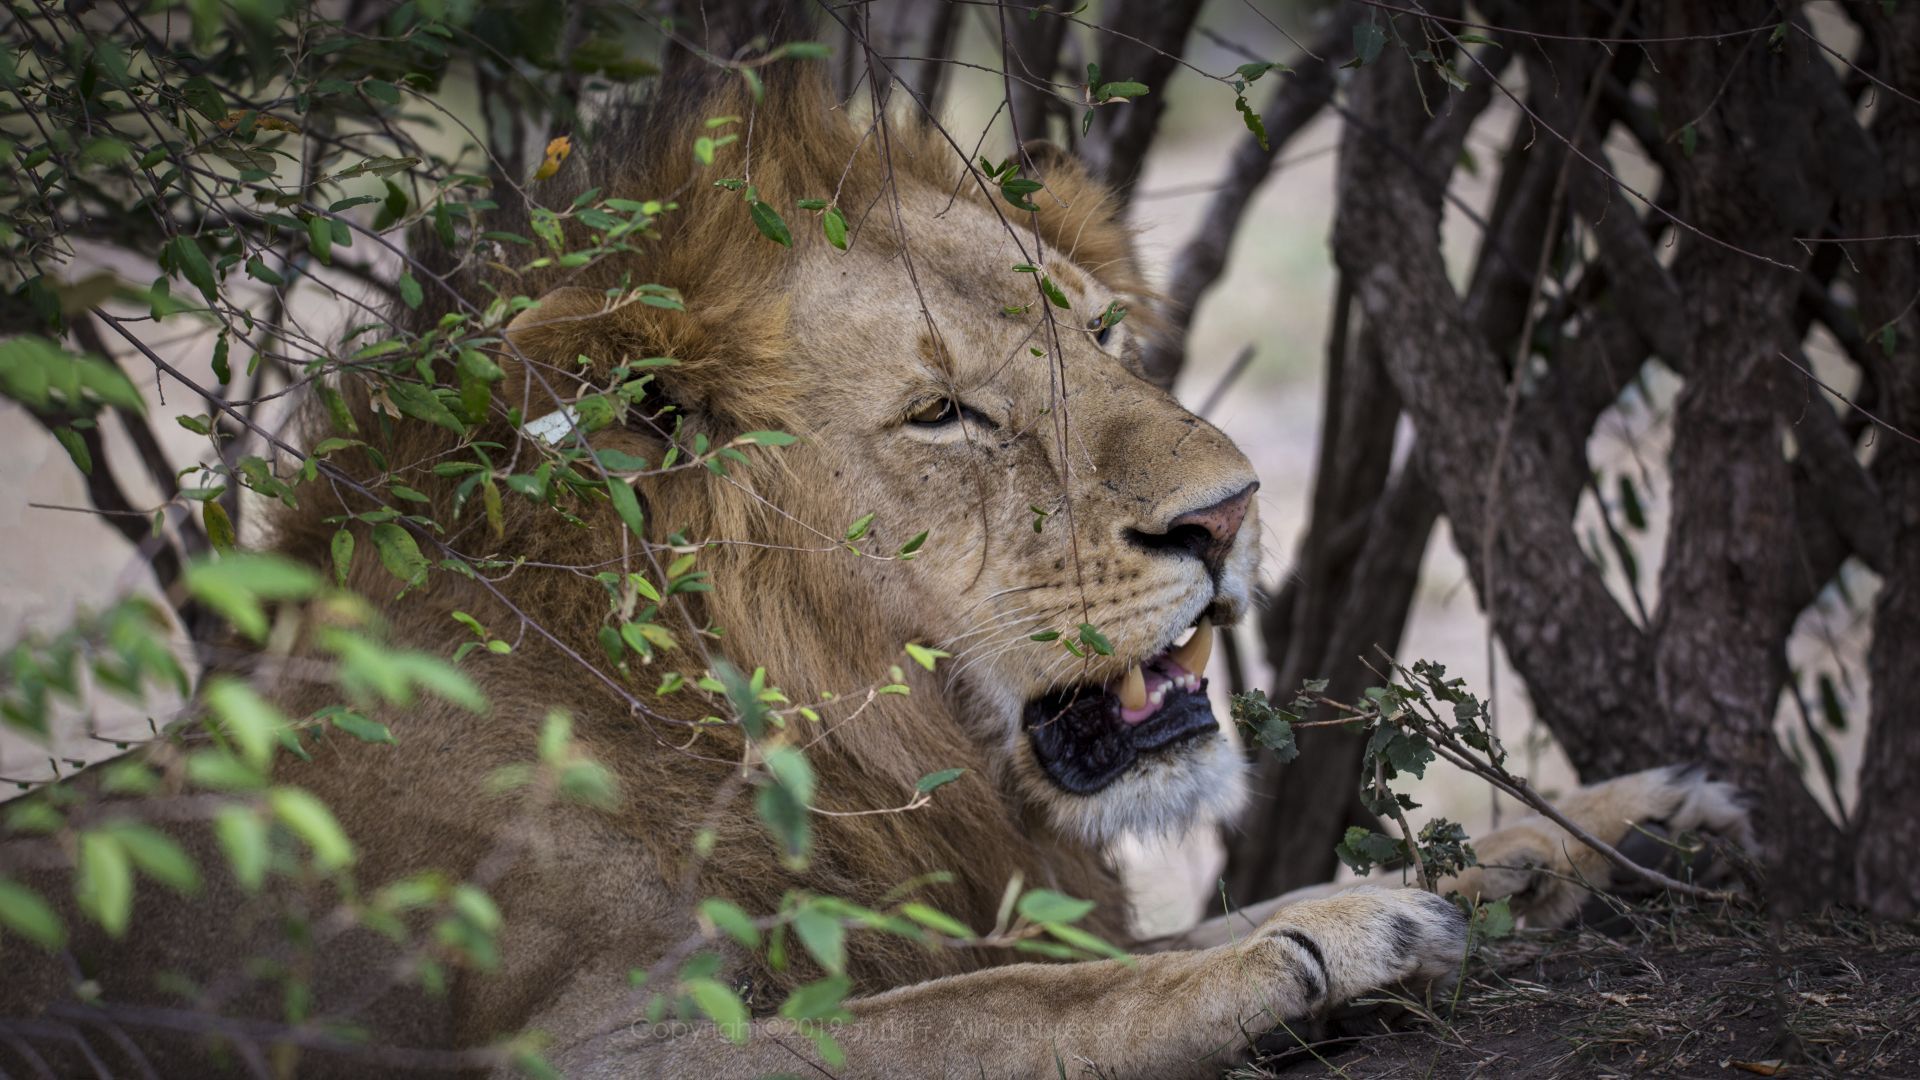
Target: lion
(957, 369)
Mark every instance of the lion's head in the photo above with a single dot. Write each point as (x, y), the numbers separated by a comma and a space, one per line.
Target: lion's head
(981, 383)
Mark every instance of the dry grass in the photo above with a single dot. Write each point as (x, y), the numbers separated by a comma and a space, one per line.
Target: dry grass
(1671, 993)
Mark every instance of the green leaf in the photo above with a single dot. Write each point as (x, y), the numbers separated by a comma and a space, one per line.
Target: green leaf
(1123, 90)
(422, 403)
(361, 728)
(1269, 727)
(834, 224)
(824, 936)
(1253, 71)
(342, 550)
(1361, 848)
(203, 98)
(1047, 906)
(184, 253)
(817, 1000)
(732, 921)
(320, 238)
(410, 290)
(243, 839)
(249, 720)
(1494, 921)
(925, 656)
(222, 373)
(476, 907)
(1053, 292)
(627, 505)
(1048, 948)
(235, 584)
(156, 855)
(399, 553)
(104, 887)
(721, 1005)
(768, 438)
(213, 517)
(218, 770)
(804, 50)
(859, 528)
(259, 271)
(310, 819)
(908, 549)
(23, 912)
(47, 378)
(1016, 189)
(770, 223)
(1095, 640)
(76, 448)
(1081, 939)
(1368, 40)
(940, 779)
(936, 920)
(1253, 121)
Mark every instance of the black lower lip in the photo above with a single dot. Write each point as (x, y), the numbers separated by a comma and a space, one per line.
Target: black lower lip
(1081, 742)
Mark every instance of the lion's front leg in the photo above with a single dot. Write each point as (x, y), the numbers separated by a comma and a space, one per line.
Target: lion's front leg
(1169, 1014)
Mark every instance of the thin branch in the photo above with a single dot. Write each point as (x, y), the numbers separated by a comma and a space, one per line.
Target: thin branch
(1816, 380)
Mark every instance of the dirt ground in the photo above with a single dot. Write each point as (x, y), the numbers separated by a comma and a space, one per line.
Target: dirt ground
(1690, 994)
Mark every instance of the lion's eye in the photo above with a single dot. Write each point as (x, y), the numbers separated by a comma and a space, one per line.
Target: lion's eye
(939, 412)
(1102, 330)
(935, 412)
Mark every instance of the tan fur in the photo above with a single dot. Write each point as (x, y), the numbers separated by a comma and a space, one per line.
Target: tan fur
(837, 348)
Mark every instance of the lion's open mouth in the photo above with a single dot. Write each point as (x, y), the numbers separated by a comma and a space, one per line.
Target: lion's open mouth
(1086, 736)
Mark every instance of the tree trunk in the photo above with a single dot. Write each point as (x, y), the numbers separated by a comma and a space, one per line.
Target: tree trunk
(1886, 872)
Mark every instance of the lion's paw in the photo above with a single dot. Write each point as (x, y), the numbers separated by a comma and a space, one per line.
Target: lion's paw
(1649, 816)
(1363, 939)
(1677, 798)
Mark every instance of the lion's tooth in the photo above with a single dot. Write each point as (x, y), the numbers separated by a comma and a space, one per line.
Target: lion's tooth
(1193, 655)
(1133, 689)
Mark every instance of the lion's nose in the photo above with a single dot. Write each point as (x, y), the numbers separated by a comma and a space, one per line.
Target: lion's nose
(1206, 533)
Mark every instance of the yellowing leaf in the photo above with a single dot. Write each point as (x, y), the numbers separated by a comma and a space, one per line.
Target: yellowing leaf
(557, 151)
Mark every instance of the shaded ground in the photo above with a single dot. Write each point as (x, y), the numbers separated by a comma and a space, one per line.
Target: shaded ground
(1686, 995)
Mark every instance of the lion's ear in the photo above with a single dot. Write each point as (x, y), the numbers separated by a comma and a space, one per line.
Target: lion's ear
(1048, 159)
(572, 344)
(1080, 216)
(544, 343)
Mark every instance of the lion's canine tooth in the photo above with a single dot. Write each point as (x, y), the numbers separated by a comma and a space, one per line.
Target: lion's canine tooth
(1193, 656)
(1133, 689)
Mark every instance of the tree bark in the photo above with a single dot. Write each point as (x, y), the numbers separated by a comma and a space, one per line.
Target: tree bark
(1726, 590)
(1355, 570)
(1588, 666)
(1032, 51)
(1886, 873)
(1155, 36)
(1296, 99)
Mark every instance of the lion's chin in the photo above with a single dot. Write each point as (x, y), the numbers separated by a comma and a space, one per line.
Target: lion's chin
(1139, 755)
(1197, 781)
